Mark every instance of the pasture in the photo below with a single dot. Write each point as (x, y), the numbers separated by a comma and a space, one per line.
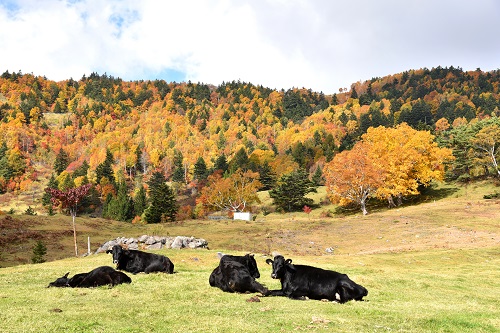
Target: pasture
(431, 267)
(427, 291)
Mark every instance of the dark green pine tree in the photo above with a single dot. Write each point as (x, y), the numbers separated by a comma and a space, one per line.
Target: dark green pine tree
(62, 161)
(6, 171)
(163, 205)
(121, 207)
(140, 201)
(317, 178)
(104, 169)
(290, 193)
(82, 170)
(299, 154)
(267, 177)
(139, 160)
(239, 161)
(221, 163)
(46, 197)
(178, 174)
(39, 252)
(200, 169)
(354, 93)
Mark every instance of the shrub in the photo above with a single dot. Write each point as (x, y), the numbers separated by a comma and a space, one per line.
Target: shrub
(29, 211)
(39, 251)
(495, 195)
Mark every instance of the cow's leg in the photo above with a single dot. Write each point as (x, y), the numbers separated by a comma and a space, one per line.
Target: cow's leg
(257, 287)
(277, 292)
(155, 267)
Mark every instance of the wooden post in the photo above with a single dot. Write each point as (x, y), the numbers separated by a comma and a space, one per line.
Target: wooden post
(88, 245)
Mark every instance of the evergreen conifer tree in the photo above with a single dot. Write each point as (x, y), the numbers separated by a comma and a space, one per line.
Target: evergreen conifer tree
(200, 169)
(47, 197)
(104, 169)
(267, 177)
(221, 163)
(62, 161)
(163, 206)
(120, 208)
(290, 193)
(178, 175)
(317, 178)
(39, 252)
(140, 201)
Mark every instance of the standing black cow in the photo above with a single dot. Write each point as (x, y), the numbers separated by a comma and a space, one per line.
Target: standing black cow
(135, 261)
(99, 276)
(301, 282)
(237, 274)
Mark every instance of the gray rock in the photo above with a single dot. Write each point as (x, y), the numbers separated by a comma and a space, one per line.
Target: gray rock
(155, 246)
(150, 240)
(143, 238)
(133, 246)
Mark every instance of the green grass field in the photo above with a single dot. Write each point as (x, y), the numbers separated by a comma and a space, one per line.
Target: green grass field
(428, 291)
(431, 267)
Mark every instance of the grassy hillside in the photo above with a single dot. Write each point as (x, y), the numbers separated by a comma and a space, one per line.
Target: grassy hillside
(438, 290)
(431, 267)
(446, 217)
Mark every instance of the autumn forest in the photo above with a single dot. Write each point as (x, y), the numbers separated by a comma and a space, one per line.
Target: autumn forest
(156, 151)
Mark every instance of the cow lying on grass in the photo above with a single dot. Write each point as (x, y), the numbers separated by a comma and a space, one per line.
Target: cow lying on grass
(135, 261)
(237, 274)
(302, 282)
(100, 276)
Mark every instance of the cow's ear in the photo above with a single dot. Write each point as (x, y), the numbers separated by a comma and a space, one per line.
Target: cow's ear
(66, 275)
(108, 251)
(288, 261)
(269, 261)
(290, 267)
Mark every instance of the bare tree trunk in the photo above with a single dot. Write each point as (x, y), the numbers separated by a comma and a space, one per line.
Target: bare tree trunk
(390, 200)
(74, 234)
(363, 208)
(400, 199)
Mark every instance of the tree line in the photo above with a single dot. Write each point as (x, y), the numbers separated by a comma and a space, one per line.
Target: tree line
(119, 135)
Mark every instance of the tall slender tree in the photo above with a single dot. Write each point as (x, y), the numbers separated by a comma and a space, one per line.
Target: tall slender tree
(70, 200)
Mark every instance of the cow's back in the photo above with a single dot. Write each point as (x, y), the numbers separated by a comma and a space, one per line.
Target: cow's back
(139, 261)
(313, 282)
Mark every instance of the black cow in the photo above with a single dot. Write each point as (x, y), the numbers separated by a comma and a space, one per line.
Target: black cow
(237, 274)
(99, 276)
(301, 282)
(135, 261)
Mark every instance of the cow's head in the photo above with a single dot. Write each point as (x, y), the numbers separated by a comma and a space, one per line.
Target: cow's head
(280, 266)
(117, 252)
(252, 266)
(352, 290)
(60, 282)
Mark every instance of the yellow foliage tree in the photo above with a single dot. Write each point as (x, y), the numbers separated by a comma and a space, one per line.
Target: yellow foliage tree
(407, 159)
(234, 193)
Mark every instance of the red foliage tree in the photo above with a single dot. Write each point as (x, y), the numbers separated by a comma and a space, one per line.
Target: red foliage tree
(69, 199)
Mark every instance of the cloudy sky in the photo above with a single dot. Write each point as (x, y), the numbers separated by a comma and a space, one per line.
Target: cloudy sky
(319, 44)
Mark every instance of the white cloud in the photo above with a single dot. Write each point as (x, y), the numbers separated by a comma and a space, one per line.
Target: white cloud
(317, 44)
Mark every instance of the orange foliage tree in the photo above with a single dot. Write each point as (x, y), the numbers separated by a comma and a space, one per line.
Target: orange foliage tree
(352, 177)
(233, 193)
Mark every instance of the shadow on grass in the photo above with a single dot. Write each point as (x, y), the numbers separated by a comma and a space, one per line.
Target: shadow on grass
(427, 194)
